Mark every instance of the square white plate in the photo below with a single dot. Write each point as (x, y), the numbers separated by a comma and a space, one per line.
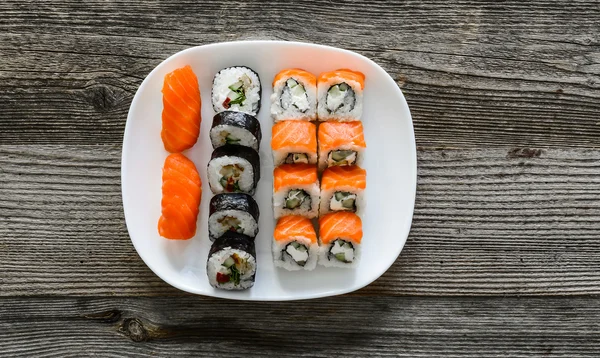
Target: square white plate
(390, 161)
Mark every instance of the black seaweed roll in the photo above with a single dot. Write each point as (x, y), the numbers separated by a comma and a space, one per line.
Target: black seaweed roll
(232, 262)
(238, 128)
(234, 169)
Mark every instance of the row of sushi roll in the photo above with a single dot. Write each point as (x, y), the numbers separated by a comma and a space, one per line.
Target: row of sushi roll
(233, 174)
(181, 183)
(301, 151)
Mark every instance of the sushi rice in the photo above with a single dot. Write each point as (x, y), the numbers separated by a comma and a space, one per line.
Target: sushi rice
(236, 89)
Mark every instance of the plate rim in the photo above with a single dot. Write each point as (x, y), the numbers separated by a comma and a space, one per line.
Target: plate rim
(403, 235)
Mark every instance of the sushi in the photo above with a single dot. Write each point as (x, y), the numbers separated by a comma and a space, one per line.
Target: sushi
(294, 96)
(239, 128)
(236, 212)
(341, 144)
(340, 234)
(233, 169)
(294, 142)
(231, 262)
(295, 244)
(342, 189)
(181, 110)
(340, 95)
(236, 89)
(295, 190)
(181, 195)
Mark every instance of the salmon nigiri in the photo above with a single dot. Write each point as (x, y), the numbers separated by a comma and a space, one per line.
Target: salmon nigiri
(294, 142)
(181, 195)
(181, 110)
(341, 143)
(340, 234)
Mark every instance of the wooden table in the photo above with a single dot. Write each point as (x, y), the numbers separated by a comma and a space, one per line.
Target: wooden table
(503, 258)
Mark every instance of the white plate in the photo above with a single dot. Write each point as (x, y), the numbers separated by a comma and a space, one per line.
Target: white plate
(390, 162)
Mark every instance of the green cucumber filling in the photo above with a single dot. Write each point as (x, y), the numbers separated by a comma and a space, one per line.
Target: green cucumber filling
(341, 157)
(295, 198)
(297, 252)
(230, 223)
(343, 200)
(230, 176)
(294, 94)
(294, 158)
(233, 269)
(229, 138)
(237, 92)
(340, 98)
(342, 250)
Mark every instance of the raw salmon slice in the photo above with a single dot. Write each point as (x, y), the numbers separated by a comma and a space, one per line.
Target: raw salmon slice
(298, 134)
(294, 226)
(297, 73)
(342, 176)
(333, 135)
(340, 224)
(344, 73)
(294, 174)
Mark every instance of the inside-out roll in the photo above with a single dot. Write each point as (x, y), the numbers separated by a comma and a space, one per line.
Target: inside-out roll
(340, 95)
(294, 95)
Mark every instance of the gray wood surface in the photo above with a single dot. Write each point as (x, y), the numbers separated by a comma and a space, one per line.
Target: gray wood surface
(332, 327)
(505, 98)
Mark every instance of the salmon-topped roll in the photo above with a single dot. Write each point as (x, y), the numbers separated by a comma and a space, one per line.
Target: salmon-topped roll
(294, 95)
(294, 142)
(342, 189)
(295, 190)
(181, 110)
(340, 95)
(340, 235)
(181, 195)
(341, 144)
(295, 244)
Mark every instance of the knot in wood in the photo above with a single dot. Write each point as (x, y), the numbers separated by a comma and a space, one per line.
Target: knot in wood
(102, 97)
(135, 330)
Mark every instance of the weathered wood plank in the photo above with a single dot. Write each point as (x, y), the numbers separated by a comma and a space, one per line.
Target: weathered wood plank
(487, 222)
(474, 73)
(352, 326)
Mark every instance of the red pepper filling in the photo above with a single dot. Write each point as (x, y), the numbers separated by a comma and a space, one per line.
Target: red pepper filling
(226, 103)
(222, 278)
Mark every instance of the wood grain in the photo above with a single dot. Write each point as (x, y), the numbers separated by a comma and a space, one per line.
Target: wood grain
(348, 326)
(474, 73)
(487, 222)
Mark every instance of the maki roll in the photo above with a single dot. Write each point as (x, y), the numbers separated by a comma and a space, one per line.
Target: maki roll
(340, 236)
(295, 244)
(236, 89)
(340, 95)
(233, 169)
(341, 144)
(239, 128)
(237, 212)
(294, 142)
(231, 262)
(295, 190)
(294, 96)
(342, 189)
